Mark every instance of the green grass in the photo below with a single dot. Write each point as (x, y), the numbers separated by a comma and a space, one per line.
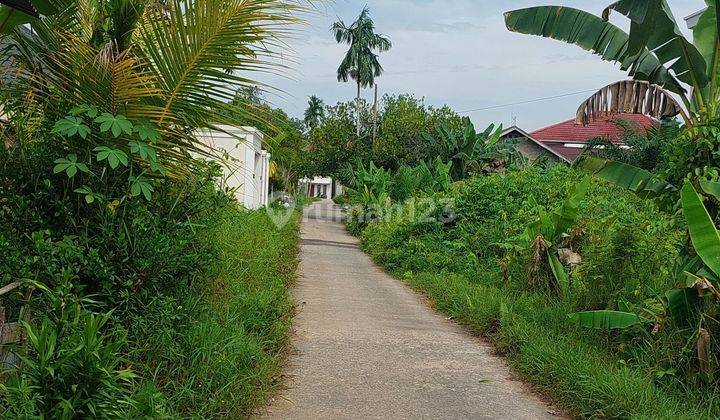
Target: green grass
(627, 249)
(222, 359)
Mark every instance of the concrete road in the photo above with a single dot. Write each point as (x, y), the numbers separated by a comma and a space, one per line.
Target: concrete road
(368, 347)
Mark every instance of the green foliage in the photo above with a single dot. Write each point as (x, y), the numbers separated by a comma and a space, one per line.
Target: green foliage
(469, 150)
(605, 320)
(71, 368)
(626, 273)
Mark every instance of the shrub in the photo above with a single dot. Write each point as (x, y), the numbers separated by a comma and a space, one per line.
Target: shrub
(628, 250)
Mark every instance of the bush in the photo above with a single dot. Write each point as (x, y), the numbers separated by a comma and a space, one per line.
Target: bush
(628, 249)
(185, 289)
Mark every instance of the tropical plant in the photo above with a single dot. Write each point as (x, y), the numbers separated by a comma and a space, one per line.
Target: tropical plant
(654, 52)
(360, 62)
(169, 66)
(314, 112)
(546, 237)
(469, 150)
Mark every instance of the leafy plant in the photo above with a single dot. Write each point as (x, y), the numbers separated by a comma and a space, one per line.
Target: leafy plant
(469, 150)
(70, 166)
(546, 234)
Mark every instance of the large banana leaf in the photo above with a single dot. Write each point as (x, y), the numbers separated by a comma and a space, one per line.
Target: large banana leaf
(706, 37)
(564, 217)
(703, 233)
(605, 320)
(640, 181)
(559, 272)
(654, 28)
(594, 34)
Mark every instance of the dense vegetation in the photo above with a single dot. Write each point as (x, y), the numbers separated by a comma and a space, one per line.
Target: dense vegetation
(144, 290)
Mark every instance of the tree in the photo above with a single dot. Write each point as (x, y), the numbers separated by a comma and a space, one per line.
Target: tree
(333, 143)
(404, 120)
(125, 57)
(360, 62)
(662, 63)
(314, 112)
(654, 51)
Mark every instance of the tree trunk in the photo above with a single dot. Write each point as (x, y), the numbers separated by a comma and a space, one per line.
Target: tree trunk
(332, 188)
(357, 109)
(375, 114)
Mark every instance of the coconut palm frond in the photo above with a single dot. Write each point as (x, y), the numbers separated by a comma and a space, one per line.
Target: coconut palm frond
(197, 50)
(630, 97)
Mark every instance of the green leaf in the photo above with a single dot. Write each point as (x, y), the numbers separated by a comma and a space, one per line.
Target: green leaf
(70, 126)
(559, 272)
(140, 185)
(117, 124)
(637, 180)
(711, 187)
(654, 28)
(115, 157)
(144, 150)
(706, 37)
(11, 18)
(147, 132)
(89, 110)
(605, 320)
(69, 165)
(594, 34)
(703, 233)
(564, 217)
(157, 167)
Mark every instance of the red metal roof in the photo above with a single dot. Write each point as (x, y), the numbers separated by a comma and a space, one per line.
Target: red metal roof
(569, 131)
(557, 135)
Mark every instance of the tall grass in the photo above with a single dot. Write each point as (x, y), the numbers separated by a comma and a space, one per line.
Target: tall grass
(220, 355)
(627, 248)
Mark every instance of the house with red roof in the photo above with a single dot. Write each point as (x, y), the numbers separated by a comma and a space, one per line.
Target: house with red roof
(565, 141)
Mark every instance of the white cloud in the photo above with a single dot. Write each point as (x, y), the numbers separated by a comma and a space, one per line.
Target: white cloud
(456, 52)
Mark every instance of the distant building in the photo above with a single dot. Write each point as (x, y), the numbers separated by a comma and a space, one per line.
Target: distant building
(320, 187)
(247, 166)
(565, 141)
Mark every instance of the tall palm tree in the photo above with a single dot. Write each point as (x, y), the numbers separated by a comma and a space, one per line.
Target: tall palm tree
(314, 112)
(361, 62)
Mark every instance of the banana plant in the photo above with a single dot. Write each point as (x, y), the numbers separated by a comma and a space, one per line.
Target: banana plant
(467, 148)
(654, 53)
(546, 234)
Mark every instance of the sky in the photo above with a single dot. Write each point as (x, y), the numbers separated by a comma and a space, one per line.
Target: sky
(454, 52)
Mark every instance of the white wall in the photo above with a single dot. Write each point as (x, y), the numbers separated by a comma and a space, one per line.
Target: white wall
(247, 169)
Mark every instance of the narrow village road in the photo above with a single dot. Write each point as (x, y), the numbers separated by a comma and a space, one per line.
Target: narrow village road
(368, 347)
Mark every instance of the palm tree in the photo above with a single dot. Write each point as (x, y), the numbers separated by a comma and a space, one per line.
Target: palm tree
(314, 112)
(361, 62)
(176, 68)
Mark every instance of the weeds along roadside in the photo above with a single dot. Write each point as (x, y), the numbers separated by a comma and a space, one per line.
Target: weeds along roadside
(628, 249)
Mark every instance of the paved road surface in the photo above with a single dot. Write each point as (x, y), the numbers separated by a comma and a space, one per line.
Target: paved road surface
(368, 347)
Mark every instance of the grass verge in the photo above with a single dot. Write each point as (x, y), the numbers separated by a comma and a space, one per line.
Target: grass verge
(221, 355)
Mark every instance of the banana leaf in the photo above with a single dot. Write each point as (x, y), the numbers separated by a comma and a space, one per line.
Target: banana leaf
(605, 320)
(654, 28)
(703, 233)
(594, 34)
(706, 36)
(711, 187)
(565, 216)
(559, 272)
(643, 183)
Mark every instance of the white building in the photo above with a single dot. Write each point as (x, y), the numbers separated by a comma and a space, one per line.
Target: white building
(320, 187)
(247, 170)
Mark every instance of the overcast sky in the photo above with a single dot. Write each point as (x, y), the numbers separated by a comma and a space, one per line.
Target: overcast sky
(455, 52)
